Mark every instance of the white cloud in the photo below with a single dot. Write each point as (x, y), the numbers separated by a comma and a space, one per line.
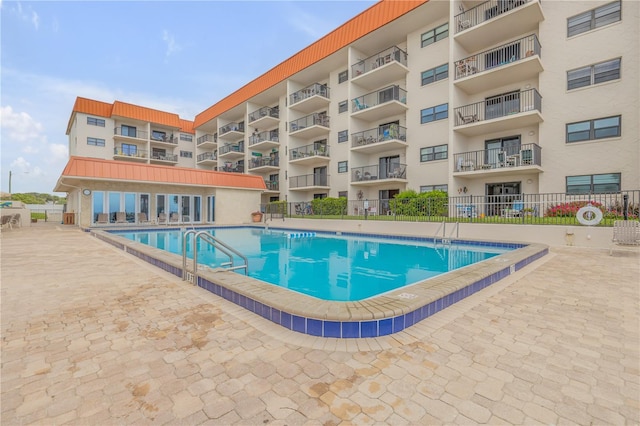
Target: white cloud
(59, 152)
(35, 19)
(172, 46)
(21, 126)
(27, 16)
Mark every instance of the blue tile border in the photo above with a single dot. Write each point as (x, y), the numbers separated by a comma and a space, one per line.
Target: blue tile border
(340, 329)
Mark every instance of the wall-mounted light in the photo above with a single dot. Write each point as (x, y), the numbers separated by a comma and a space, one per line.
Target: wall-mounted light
(529, 181)
(531, 133)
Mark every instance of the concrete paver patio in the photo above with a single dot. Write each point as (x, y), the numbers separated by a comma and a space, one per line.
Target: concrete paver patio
(91, 335)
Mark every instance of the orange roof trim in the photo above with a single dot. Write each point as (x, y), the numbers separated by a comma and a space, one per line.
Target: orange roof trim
(95, 168)
(369, 20)
(134, 112)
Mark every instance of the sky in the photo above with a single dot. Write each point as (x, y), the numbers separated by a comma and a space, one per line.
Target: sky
(175, 56)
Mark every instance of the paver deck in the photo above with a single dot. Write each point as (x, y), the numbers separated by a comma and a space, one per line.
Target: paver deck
(91, 335)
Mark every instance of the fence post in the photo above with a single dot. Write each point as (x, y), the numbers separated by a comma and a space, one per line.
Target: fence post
(625, 206)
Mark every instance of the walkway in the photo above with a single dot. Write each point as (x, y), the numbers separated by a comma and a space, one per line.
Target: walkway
(91, 335)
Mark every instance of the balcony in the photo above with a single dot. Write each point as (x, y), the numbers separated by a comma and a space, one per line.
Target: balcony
(381, 104)
(506, 64)
(159, 138)
(310, 99)
(272, 185)
(522, 158)
(498, 113)
(387, 66)
(265, 164)
(309, 182)
(265, 117)
(310, 126)
(163, 158)
(130, 133)
(231, 151)
(496, 20)
(130, 153)
(229, 167)
(265, 140)
(207, 158)
(376, 175)
(231, 131)
(382, 138)
(207, 141)
(310, 155)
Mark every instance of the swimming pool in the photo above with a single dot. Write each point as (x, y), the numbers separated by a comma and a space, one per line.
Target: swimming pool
(388, 313)
(328, 266)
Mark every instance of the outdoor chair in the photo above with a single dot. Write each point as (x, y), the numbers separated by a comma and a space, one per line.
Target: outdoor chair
(515, 210)
(6, 221)
(162, 218)
(466, 119)
(142, 218)
(359, 106)
(625, 233)
(174, 218)
(15, 221)
(103, 218)
(121, 217)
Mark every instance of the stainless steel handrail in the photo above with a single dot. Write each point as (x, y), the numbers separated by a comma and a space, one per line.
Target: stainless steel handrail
(184, 252)
(216, 243)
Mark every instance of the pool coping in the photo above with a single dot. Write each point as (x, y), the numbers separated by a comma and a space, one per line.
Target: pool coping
(381, 315)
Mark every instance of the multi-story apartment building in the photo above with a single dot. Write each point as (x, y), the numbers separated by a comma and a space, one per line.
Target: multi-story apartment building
(483, 98)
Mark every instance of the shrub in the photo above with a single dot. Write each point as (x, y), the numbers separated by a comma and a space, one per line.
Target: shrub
(329, 206)
(410, 203)
(277, 207)
(570, 209)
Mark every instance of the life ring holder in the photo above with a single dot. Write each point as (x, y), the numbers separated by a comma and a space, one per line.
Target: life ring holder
(591, 210)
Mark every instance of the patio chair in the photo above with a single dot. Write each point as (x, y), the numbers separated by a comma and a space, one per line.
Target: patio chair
(526, 156)
(466, 119)
(359, 106)
(515, 210)
(142, 218)
(162, 218)
(174, 218)
(16, 220)
(625, 233)
(6, 221)
(121, 217)
(103, 218)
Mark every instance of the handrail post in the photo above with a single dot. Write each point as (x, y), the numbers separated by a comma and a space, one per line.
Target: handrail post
(184, 252)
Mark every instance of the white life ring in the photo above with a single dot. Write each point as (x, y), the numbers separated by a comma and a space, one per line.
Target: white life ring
(594, 213)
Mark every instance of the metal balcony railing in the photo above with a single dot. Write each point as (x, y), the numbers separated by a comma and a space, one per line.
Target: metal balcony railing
(315, 119)
(207, 156)
(161, 137)
(264, 112)
(164, 157)
(232, 168)
(484, 12)
(207, 138)
(316, 148)
(231, 127)
(316, 89)
(231, 148)
(273, 161)
(376, 172)
(503, 55)
(272, 185)
(389, 55)
(308, 180)
(388, 94)
(529, 154)
(499, 106)
(130, 151)
(268, 135)
(130, 132)
(379, 134)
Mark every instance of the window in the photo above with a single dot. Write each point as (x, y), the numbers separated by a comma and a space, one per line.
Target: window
(185, 137)
(439, 112)
(435, 74)
(594, 74)
(429, 188)
(343, 194)
(600, 128)
(95, 141)
(594, 18)
(435, 34)
(432, 153)
(95, 121)
(128, 149)
(158, 136)
(343, 76)
(609, 182)
(342, 166)
(186, 154)
(343, 136)
(343, 107)
(128, 131)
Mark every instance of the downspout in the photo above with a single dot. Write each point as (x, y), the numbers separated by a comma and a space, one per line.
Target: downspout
(79, 201)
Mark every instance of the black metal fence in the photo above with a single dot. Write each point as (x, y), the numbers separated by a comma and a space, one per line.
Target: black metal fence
(550, 208)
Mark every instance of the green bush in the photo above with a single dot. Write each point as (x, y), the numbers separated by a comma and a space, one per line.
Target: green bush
(329, 206)
(279, 207)
(411, 203)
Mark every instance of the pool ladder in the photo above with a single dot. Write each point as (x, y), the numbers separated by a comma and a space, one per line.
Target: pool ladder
(215, 243)
(443, 226)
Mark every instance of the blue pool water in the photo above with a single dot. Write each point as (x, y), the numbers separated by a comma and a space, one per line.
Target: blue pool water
(327, 266)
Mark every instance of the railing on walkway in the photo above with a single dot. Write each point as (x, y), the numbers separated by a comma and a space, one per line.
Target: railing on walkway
(540, 209)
